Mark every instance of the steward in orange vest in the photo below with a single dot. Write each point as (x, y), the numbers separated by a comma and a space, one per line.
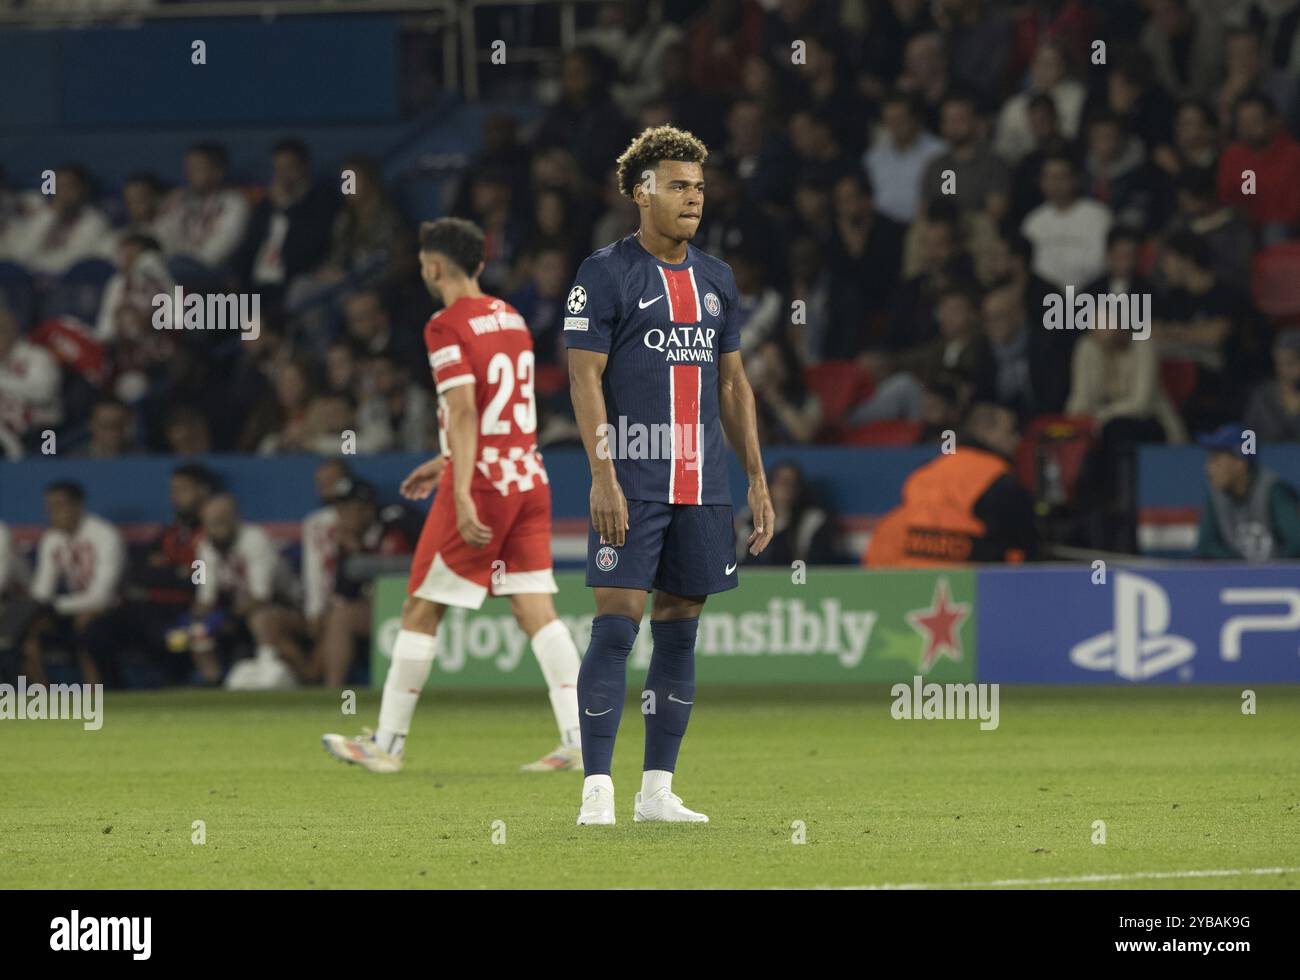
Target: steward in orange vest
(964, 506)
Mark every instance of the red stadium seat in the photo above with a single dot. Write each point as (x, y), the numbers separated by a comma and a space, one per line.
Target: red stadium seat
(1179, 380)
(838, 385)
(1146, 260)
(1275, 282)
(888, 432)
(550, 379)
(1058, 442)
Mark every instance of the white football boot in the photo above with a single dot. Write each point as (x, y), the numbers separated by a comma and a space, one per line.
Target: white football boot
(362, 751)
(560, 759)
(597, 807)
(665, 807)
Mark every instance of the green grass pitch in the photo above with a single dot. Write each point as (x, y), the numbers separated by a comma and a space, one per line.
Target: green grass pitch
(1183, 780)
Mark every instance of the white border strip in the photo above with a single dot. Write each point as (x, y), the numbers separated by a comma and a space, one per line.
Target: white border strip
(1077, 879)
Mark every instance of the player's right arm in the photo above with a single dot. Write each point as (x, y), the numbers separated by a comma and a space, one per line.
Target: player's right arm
(592, 306)
(462, 434)
(608, 506)
(453, 378)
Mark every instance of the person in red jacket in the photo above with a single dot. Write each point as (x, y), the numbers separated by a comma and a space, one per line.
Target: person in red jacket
(1264, 149)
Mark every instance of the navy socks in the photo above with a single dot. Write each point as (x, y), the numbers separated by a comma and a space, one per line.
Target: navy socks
(670, 691)
(602, 688)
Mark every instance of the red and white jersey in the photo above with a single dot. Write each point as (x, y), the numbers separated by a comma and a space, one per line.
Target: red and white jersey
(13, 570)
(250, 569)
(80, 572)
(482, 340)
(320, 553)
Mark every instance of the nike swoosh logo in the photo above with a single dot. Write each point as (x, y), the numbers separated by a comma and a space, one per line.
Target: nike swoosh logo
(643, 304)
(730, 569)
(597, 714)
(679, 700)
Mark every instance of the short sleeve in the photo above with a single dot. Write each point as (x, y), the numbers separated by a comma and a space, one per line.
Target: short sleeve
(591, 308)
(448, 356)
(730, 339)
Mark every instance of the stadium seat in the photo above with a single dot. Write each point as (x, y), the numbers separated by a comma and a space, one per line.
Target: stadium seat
(1275, 283)
(887, 432)
(1050, 455)
(838, 385)
(1179, 380)
(1146, 259)
(550, 379)
(18, 293)
(77, 293)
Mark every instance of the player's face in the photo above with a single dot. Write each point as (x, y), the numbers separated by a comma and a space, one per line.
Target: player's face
(220, 522)
(64, 512)
(1223, 469)
(187, 496)
(677, 204)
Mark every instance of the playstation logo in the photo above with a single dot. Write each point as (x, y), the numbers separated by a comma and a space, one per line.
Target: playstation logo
(1137, 647)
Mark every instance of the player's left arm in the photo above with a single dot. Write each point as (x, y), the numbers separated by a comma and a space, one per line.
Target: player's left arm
(740, 423)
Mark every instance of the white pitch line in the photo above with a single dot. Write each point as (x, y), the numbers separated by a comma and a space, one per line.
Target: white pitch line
(1077, 879)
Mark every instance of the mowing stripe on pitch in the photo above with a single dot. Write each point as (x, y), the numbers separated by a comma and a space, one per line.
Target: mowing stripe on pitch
(1076, 879)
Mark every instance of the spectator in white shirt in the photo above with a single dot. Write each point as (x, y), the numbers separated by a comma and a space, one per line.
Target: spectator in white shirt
(246, 581)
(17, 210)
(205, 220)
(898, 157)
(30, 383)
(67, 230)
(13, 571)
(79, 566)
(1068, 232)
(1049, 76)
(16, 610)
(135, 332)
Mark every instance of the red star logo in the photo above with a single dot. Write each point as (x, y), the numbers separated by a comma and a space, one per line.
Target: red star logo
(939, 624)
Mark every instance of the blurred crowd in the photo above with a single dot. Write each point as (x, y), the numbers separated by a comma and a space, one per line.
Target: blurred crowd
(897, 184)
(209, 597)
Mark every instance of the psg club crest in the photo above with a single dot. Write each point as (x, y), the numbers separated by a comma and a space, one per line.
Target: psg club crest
(606, 559)
(578, 299)
(711, 304)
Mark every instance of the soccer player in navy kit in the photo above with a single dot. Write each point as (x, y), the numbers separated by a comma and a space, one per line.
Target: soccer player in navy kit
(656, 377)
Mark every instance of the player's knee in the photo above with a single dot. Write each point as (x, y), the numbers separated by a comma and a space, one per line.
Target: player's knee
(420, 615)
(668, 606)
(532, 612)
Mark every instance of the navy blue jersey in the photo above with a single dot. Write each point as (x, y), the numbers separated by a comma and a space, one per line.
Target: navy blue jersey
(664, 327)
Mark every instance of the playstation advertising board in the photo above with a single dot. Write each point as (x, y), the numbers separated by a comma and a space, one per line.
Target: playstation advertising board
(1212, 624)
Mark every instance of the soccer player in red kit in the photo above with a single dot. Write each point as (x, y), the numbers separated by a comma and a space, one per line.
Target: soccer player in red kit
(489, 529)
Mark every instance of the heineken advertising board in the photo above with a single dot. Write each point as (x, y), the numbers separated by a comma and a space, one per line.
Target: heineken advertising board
(818, 626)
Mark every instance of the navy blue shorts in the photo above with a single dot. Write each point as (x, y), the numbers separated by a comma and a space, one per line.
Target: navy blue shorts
(685, 549)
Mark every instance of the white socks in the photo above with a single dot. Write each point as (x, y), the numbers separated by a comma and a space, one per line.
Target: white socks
(558, 657)
(411, 662)
(653, 780)
(591, 782)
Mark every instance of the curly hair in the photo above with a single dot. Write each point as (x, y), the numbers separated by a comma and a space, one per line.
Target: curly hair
(653, 146)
